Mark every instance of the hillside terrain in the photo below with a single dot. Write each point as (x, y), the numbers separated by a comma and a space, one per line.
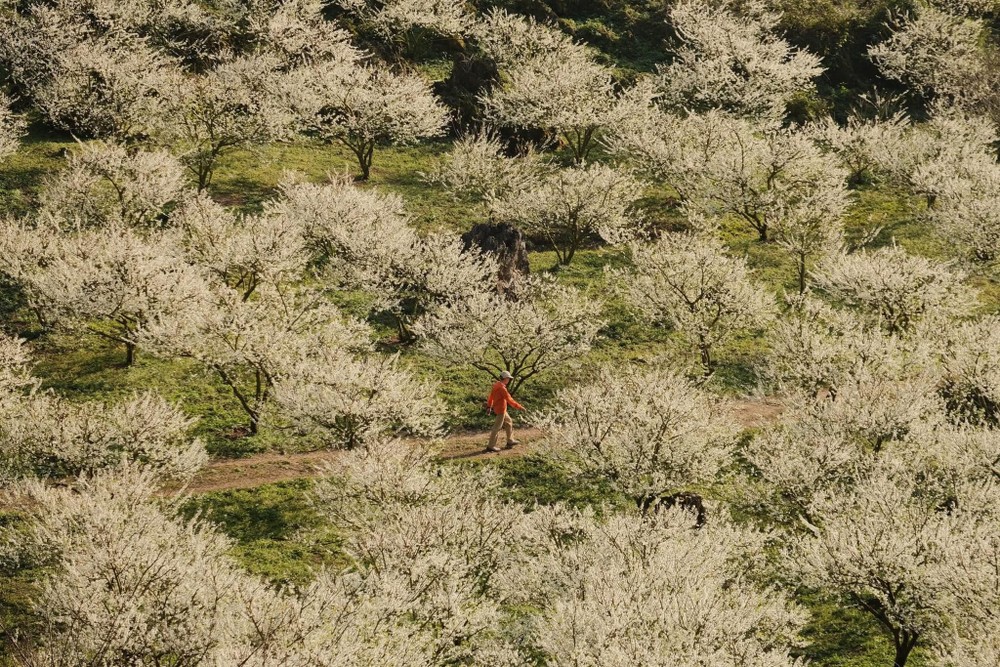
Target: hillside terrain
(261, 262)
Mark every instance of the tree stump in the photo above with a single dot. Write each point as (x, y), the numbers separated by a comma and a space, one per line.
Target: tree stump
(505, 244)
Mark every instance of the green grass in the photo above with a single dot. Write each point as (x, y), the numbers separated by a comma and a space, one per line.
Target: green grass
(842, 636)
(536, 480)
(22, 175)
(91, 368)
(277, 533)
(247, 178)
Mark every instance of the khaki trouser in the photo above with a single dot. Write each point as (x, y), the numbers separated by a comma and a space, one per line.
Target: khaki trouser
(506, 423)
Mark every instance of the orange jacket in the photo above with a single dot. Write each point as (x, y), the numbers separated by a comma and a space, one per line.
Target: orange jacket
(500, 398)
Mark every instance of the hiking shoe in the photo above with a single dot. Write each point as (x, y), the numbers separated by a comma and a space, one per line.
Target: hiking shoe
(511, 443)
(492, 449)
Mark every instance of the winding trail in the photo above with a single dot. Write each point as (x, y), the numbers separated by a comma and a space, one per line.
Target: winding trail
(271, 467)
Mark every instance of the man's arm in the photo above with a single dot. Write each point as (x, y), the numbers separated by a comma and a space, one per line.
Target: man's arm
(511, 402)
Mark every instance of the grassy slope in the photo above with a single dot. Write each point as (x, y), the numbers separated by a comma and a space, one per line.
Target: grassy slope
(276, 532)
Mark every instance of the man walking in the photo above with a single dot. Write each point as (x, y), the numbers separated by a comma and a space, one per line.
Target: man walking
(498, 401)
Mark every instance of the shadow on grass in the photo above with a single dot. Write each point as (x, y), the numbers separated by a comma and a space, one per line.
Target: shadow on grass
(277, 531)
(841, 636)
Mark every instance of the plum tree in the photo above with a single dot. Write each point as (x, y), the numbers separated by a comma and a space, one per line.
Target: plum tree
(734, 61)
(569, 206)
(545, 326)
(42, 434)
(251, 343)
(110, 281)
(84, 77)
(631, 590)
(894, 286)
(651, 433)
(243, 251)
(687, 280)
(935, 52)
(107, 183)
(901, 575)
(11, 128)
(547, 82)
(363, 239)
(367, 106)
(238, 103)
(391, 18)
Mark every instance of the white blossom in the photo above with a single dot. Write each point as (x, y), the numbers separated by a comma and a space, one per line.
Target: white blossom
(50, 436)
(436, 272)
(866, 147)
(895, 287)
(394, 17)
(952, 146)
(251, 343)
(966, 207)
(356, 233)
(816, 349)
(971, 369)
(734, 61)
(652, 591)
(935, 52)
(569, 206)
(240, 102)
(91, 82)
(651, 433)
(688, 281)
(769, 177)
(669, 147)
(367, 106)
(110, 281)
(476, 169)
(890, 547)
(299, 32)
(44, 434)
(363, 239)
(442, 533)
(106, 183)
(350, 399)
(544, 326)
(565, 92)
(509, 39)
(127, 580)
(242, 251)
(773, 179)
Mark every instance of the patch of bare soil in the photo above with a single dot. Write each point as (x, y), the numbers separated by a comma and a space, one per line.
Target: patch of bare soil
(752, 413)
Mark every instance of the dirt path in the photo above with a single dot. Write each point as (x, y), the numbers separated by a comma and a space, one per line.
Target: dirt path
(271, 467)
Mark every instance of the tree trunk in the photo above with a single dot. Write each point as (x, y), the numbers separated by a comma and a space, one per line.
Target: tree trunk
(251, 408)
(129, 354)
(365, 161)
(706, 357)
(762, 231)
(802, 274)
(206, 165)
(567, 256)
(904, 645)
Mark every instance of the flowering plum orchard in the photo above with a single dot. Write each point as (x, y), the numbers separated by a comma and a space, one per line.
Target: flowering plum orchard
(286, 229)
